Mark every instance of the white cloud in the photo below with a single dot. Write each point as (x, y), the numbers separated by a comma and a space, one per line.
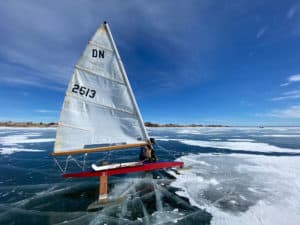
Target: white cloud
(284, 84)
(46, 111)
(288, 95)
(292, 79)
(291, 112)
(292, 11)
(49, 37)
(261, 32)
(34, 81)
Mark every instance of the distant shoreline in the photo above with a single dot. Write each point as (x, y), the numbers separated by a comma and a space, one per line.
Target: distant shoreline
(147, 124)
(27, 124)
(54, 124)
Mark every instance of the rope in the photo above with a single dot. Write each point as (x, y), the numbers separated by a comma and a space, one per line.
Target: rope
(84, 161)
(63, 167)
(106, 157)
(170, 152)
(68, 159)
(67, 163)
(76, 161)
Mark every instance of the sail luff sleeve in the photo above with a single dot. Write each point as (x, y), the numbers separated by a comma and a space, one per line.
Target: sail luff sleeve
(123, 71)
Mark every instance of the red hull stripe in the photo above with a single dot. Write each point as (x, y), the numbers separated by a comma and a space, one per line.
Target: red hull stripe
(124, 170)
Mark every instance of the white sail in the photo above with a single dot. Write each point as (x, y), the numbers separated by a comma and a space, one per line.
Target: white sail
(99, 108)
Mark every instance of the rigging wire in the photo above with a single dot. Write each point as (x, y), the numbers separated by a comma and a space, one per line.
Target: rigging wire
(106, 157)
(63, 167)
(58, 165)
(171, 153)
(69, 158)
(84, 161)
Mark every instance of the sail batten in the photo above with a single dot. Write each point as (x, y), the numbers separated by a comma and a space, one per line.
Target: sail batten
(99, 108)
(67, 125)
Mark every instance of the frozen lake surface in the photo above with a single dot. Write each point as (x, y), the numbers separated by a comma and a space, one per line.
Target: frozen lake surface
(237, 176)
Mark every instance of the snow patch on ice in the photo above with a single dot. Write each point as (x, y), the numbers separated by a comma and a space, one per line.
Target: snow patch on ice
(240, 140)
(254, 189)
(28, 128)
(188, 131)
(12, 143)
(281, 135)
(8, 151)
(213, 181)
(233, 145)
(13, 140)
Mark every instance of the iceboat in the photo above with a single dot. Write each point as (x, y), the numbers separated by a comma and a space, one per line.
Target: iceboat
(100, 114)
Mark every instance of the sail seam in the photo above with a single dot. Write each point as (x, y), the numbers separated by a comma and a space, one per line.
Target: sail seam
(97, 74)
(67, 125)
(100, 105)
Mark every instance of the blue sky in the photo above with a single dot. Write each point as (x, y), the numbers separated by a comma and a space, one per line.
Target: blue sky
(208, 62)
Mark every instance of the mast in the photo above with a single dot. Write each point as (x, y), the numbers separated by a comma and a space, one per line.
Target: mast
(124, 74)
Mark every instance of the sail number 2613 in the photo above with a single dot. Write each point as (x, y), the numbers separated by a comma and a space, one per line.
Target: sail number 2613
(83, 91)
